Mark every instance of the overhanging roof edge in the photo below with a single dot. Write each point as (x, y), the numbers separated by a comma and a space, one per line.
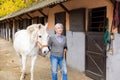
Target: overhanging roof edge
(33, 7)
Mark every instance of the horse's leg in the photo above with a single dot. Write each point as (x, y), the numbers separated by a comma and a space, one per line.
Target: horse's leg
(32, 66)
(23, 60)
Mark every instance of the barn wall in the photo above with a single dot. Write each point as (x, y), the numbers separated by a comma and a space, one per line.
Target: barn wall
(70, 5)
(76, 50)
(113, 61)
(76, 40)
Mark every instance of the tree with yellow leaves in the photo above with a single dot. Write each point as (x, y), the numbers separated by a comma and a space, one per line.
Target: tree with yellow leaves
(9, 6)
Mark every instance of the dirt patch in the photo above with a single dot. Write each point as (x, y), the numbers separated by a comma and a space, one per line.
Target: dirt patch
(10, 66)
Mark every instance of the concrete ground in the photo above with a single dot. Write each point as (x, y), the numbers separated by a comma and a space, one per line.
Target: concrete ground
(10, 66)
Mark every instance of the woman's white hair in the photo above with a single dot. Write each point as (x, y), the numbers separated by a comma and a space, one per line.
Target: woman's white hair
(58, 25)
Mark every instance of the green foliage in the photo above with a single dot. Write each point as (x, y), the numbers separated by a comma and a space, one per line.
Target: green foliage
(1, 1)
(9, 6)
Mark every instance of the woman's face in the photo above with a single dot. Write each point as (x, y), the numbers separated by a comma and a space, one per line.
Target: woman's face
(59, 30)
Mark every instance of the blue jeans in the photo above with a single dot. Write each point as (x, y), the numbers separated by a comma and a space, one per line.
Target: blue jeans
(55, 62)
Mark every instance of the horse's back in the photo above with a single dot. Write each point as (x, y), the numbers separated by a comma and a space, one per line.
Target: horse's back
(21, 41)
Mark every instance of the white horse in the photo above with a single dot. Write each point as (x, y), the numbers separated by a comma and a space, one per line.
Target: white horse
(28, 42)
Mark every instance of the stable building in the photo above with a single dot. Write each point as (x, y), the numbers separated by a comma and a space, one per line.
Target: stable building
(84, 26)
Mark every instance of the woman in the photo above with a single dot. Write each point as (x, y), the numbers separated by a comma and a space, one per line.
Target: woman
(57, 45)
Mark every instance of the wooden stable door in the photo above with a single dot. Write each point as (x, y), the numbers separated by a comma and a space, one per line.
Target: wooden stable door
(95, 56)
(95, 66)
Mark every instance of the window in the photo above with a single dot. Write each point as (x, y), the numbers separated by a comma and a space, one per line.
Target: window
(77, 20)
(96, 19)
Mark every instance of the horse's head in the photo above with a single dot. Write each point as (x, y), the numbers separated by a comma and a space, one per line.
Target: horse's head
(41, 36)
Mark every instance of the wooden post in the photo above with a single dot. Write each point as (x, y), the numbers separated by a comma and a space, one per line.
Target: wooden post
(6, 31)
(9, 31)
(13, 30)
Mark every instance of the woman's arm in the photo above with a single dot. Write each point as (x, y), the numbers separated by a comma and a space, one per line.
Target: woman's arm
(49, 43)
(65, 47)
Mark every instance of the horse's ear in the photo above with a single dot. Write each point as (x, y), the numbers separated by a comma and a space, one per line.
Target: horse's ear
(30, 28)
(46, 25)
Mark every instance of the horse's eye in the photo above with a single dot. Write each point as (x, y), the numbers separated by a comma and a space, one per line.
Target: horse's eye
(40, 36)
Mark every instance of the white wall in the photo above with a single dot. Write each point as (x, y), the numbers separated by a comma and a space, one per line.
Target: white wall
(113, 61)
(76, 49)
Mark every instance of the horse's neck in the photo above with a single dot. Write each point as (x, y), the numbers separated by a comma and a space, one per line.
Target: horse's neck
(32, 41)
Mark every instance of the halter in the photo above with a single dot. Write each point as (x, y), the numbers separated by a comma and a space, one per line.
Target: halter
(40, 44)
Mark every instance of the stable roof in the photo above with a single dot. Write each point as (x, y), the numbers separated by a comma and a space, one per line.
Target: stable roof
(33, 7)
